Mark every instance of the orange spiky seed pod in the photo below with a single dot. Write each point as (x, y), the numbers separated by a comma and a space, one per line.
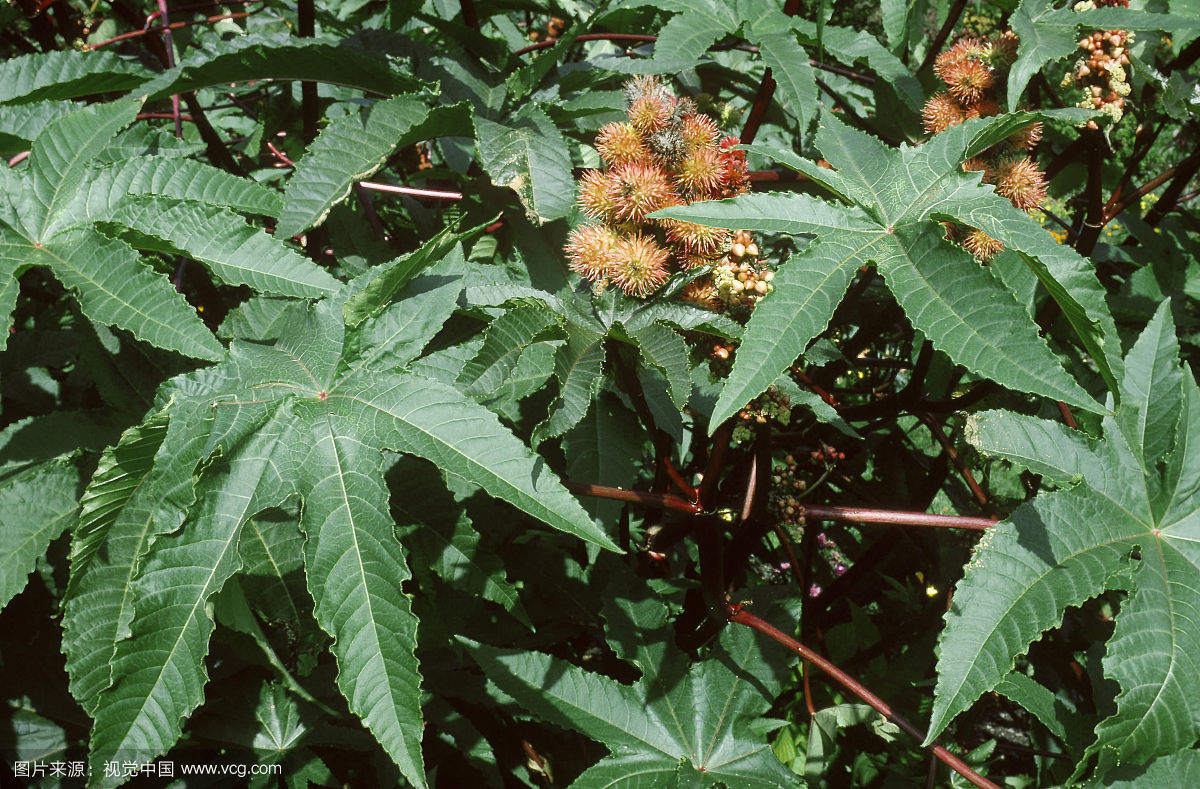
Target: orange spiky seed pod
(697, 240)
(590, 250)
(596, 196)
(1026, 138)
(701, 173)
(941, 112)
(638, 264)
(638, 189)
(981, 245)
(968, 79)
(699, 131)
(650, 113)
(701, 293)
(619, 143)
(1021, 182)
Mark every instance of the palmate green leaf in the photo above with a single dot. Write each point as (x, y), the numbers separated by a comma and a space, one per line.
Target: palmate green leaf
(781, 52)
(961, 307)
(1048, 32)
(353, 147)
(300, 418)
(20, 124)
(36, 505)
(685, 726)
(67, 74)
(528, 154)
(107, 277)
(235, 252)
(1071, 544)
(283, 57)
(60, 156)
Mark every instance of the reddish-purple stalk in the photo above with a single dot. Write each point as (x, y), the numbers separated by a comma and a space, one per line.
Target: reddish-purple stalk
(743, 617)
(947, 447)
(172, 26)
(1169, 199)
(1068, 417)
(664, 500)
(169, 47)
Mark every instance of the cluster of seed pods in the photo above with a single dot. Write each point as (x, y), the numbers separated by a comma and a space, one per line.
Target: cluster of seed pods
(666, 154)
(973, 70)
(1101, 74)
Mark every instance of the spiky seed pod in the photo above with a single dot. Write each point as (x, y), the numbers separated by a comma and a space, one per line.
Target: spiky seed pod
(981, 245)
(698, 240)
(1005, 48)
(618, 143)
(667, 147)
(701, 173)
(736, 178)
(638, 189)
(941, 112)
(701, 293)
(699, 131)
(984, 108)
(975, 164)
(645, 85)
(638, 265)
(1026, 138)
(968, 79)
(590, 250)
(596, 196)
(650, 113)
(1021, 182)
(970, 48)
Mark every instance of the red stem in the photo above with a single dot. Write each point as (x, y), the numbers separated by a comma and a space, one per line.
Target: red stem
(712, 470)
(858, 515)
(679, 481)
(743, 617)
(1067, 416)
(665, 500)
(172, 26)
(948, 448)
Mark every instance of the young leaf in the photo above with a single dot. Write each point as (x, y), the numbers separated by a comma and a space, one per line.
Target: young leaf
(1071, 544)
(529, 154)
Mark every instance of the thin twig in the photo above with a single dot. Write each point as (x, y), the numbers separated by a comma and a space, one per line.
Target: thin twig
(413, 191)
(743, 617)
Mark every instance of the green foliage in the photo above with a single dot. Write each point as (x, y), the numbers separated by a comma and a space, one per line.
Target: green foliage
(366, 486)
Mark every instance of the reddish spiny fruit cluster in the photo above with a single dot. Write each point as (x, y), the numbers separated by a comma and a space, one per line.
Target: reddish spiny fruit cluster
(666, 154)
(974, 70)
(1102, 73)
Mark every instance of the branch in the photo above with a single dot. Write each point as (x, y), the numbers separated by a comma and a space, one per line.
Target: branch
(935, 48)
(662, 500)
(742, 617)
(899, 517)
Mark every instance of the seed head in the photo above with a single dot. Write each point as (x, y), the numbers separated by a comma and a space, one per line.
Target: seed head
(619, 143)
(981, 245)
(697, 240)
(700, 174)
(596, 196)
(650, 113)
(638, 189)
(638, 265)
(968, 79)
(590, 250)
(1021, 182)
(699, 131)
(941, 112)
